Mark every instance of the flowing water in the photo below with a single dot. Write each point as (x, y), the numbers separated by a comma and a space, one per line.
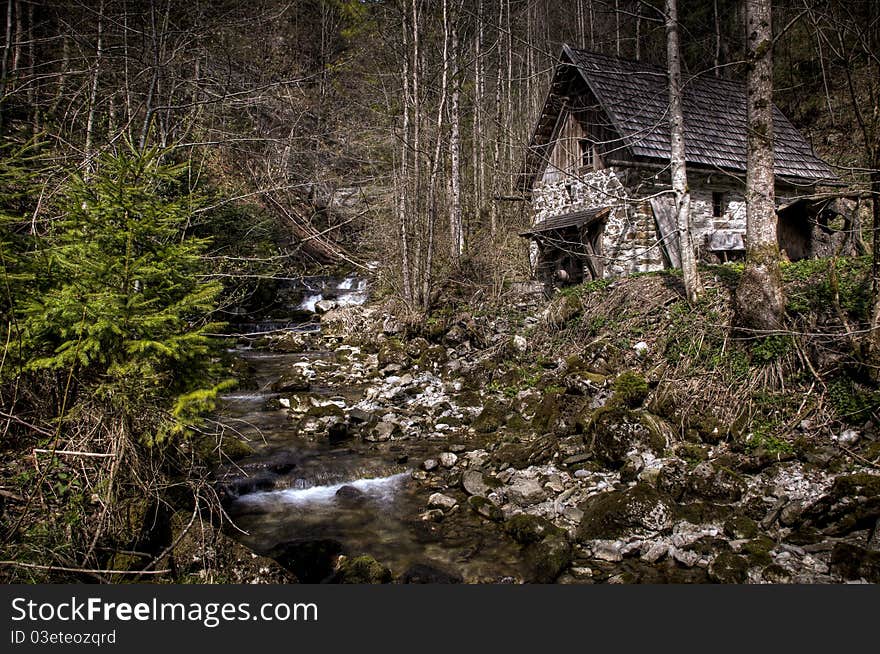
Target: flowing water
(298, 489)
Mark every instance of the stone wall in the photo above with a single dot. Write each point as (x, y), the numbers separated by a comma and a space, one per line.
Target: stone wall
(630, 243)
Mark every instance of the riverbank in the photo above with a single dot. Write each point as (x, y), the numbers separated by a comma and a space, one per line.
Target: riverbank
(614, 435)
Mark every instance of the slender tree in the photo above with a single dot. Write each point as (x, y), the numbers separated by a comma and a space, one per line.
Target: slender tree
(760, 302)
(692, 285)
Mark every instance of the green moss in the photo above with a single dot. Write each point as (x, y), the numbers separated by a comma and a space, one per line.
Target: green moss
(630, 390)
(362, 570)
(758, 550)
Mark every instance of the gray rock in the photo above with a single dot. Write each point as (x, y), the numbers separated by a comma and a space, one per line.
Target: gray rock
(525, 492)
(441, 501)
(448, 459)
(607, 550)
(473, 483)
(383, 431)
(430, 464)
(323, 306)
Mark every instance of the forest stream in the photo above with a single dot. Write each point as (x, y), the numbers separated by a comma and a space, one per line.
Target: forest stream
(306, 499)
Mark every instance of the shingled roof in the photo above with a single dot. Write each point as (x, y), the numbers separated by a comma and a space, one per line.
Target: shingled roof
(634, 96)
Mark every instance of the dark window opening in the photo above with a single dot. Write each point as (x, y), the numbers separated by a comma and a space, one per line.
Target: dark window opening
(718, 204)
(587, 153)
(569, 189)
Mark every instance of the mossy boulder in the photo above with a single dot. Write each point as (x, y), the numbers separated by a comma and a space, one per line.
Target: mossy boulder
(630, 390)
(729, 568)
(361, 570)
(852, 503)
(758, 550)
(547, 413)
(714, 483)
(491, 418)
(612, 432)
(522, 455)
(740, 526)
(228, 448)
(392, 352)
(613, 514)
(854, 562)
(548, 557)
(562, 309)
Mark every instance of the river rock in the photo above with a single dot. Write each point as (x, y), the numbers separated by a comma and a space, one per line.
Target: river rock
(361, 570)
(323, 306)
(441, 501)
(383, 431)
(430, 464)
(484, 507)
(448, 459)
(548, 557)
(473, 483)
(525, 528)
(613, 514)
(525, 492)
(294, 381)
(350, 494)
(338, 431)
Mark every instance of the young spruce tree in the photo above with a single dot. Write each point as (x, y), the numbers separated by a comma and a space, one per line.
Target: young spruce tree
(127, 304)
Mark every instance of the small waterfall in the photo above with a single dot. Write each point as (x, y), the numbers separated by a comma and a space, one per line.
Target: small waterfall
(346, 284)
(309, 302)
(379, 488)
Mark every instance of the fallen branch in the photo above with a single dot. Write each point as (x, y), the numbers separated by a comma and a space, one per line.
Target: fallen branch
(39, 430)
(57, 568)
(100, 455)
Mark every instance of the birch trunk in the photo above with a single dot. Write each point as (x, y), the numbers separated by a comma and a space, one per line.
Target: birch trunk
(692, 285)
(455, 226)
(759, 298)
(93, 92)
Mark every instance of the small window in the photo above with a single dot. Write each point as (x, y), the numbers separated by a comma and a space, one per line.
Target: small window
(587, 153)
(718, 204)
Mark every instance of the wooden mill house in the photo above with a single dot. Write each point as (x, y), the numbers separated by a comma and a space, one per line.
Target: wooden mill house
(597, 173)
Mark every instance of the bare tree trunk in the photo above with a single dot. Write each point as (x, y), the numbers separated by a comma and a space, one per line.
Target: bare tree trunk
(18, 38)
(617, 27)
(639, 30)
(427, 272)
(4, 61)
(455, 226)
(716, 58)
(93, 93)
(496, 149)
(759, 299)
(692, 285)
(403, 183)
(477, 146)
